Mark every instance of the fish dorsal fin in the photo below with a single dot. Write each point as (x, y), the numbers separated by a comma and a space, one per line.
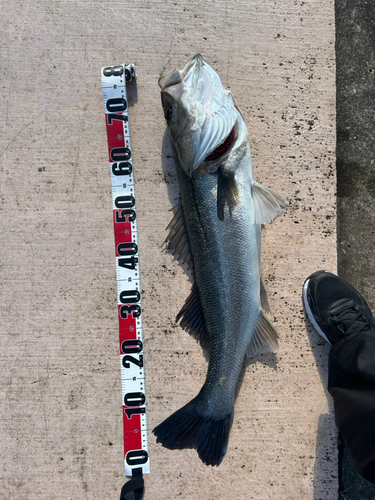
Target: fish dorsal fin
(265, 338)
(177, 241)
(267, 203)
(191, 319)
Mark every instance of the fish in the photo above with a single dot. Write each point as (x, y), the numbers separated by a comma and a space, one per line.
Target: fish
(216, 234)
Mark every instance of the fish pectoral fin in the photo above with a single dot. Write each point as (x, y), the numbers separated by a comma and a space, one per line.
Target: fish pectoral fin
(191, 319)
(227, 192)
(177, 241)
(268, 204)
(265, 338)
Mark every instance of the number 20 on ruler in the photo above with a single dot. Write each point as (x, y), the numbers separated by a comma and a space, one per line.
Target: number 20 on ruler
(114, 80)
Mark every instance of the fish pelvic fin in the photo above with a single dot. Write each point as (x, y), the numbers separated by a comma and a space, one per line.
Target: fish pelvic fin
(191, 319)
(187, 428)
(265, 338)
(268, 204)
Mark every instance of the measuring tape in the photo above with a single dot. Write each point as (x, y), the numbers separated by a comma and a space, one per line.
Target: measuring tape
(133, 381)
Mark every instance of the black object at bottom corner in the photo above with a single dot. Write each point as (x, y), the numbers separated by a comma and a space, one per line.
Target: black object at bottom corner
(134, 489)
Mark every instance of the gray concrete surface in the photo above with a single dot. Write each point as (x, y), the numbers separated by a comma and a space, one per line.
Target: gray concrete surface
(355, 143)
(60, 425)
(355, 39)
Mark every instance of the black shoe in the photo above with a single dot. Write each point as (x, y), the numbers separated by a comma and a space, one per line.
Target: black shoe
(334, 307)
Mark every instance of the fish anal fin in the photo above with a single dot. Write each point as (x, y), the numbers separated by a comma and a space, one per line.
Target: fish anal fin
(265, 338)
(191, 319)
(268, 204)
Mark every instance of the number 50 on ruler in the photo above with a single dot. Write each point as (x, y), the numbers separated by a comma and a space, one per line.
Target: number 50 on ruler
(136, 450)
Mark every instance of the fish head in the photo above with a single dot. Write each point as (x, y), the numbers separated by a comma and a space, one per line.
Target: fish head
(201, 115)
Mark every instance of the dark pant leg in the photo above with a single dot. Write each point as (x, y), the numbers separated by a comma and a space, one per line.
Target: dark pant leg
(351, 382)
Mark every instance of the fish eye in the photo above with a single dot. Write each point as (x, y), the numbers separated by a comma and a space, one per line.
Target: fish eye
(168, 113)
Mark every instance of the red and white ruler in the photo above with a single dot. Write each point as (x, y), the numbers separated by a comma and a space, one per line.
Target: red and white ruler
(133, 380)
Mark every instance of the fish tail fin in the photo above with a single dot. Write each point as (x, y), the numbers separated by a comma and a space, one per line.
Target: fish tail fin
(187, 428)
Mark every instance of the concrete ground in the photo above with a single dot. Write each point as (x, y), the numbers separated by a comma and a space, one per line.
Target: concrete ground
(355, 39)
(60, 412)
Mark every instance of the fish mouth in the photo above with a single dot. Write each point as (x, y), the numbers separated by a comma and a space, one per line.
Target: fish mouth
(175, 76)
(223, 150)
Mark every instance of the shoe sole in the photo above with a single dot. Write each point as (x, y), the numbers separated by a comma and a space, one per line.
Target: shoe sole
(310, 314)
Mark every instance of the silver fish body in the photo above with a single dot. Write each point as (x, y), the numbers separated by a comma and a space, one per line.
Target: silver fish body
(216, 231)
